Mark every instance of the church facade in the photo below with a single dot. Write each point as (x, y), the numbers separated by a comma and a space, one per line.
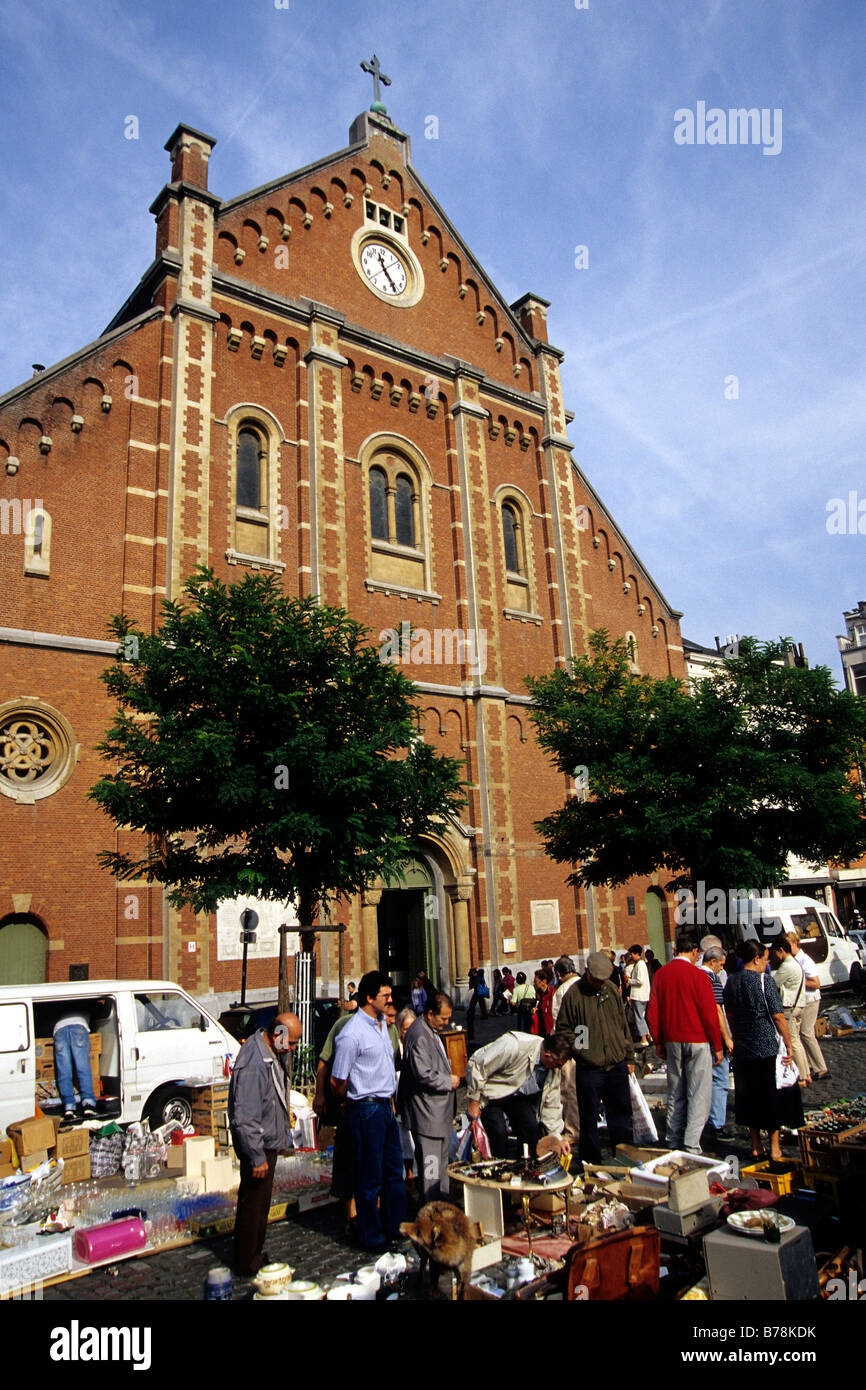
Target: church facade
(314, 379)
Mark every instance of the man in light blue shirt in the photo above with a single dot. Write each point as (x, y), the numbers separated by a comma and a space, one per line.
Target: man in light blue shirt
(363, 1075)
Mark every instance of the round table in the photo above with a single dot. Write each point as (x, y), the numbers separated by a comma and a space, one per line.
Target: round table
(526, 1188)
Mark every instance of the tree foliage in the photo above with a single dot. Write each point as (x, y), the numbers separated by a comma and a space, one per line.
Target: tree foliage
(264, 748)
(716, 784)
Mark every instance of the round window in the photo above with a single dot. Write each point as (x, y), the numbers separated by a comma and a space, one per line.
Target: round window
(37, 750)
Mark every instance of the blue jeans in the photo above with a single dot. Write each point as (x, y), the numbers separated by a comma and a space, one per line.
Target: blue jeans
(721, 1086)
(72, 1049)
(378, 1171)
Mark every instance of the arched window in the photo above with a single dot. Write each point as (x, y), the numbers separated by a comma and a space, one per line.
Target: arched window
(250, 467)
(631, 648)
(404, 511)
(37, 542)
(378, 505)
(510, 531)
(252, 510)
(396, 491)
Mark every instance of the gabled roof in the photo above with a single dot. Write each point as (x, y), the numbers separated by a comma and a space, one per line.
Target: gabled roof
(328, 161)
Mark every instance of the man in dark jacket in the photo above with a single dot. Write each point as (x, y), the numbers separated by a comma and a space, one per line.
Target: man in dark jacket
(426, 1095)
(261, 1125)
(593, 1020)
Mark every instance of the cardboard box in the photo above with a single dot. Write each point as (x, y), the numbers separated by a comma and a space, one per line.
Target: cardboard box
(7, 1171)
(688, 1192)
(219, 1175)
(70, 1143)
(189, 1157)
(33, 1160)
(7, 1148)
(76, 1169)
(31, 1136)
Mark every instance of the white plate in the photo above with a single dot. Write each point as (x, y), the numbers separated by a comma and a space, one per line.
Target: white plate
(737, 1218)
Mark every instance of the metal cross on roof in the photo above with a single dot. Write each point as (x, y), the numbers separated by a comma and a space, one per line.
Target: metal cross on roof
(378, 76)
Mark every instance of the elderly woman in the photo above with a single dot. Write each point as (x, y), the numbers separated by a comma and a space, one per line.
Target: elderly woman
(756, 1019)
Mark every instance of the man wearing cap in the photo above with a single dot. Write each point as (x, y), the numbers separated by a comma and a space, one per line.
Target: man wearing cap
(592, 1019)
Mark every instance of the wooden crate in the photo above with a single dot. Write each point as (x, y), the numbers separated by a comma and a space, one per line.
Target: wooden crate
(823, 1156)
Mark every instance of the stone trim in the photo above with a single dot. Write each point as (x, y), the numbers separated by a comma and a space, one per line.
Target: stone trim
(91, 645)
(381, 586)
(518, 615)
(194, 309)
(256, 562)
(317, 353)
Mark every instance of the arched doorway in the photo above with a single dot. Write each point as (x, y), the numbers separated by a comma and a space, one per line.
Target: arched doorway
(655, 920)
(407, 927)
(23, 951)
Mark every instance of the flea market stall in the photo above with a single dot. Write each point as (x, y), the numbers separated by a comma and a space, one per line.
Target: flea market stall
(73, 1197)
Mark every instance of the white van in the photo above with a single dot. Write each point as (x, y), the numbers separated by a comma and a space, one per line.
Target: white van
(822, 936)
(154, 1044)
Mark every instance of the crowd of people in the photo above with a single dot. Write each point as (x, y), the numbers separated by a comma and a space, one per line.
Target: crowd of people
(385, 1080)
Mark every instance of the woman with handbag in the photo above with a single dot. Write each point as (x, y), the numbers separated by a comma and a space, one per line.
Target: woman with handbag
(523, 1001)
(757, 1022)
(790, 980)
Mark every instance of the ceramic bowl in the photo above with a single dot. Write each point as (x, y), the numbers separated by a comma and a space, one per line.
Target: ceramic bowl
(273, 1279)
(306, 1289)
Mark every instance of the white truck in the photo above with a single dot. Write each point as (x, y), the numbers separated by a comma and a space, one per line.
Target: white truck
(155, 1043)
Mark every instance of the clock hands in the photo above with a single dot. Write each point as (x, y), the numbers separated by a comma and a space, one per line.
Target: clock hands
(385, 271)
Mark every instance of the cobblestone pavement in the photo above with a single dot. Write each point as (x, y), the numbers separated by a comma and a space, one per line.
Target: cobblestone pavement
(315, 1244)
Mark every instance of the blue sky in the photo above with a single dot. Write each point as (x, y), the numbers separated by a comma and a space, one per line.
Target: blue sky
(556, 130)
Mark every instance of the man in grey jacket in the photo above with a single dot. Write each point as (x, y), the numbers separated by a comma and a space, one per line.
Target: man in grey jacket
(261, 1125)
(426, 1095)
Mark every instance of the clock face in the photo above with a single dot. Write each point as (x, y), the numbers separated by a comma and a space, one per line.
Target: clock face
(383, 268)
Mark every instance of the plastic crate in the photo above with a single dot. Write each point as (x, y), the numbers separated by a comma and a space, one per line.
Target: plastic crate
(824, 1183)
(781, 1183)
(22, 1266)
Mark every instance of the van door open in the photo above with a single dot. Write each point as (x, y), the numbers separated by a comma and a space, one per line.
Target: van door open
(17, 1063)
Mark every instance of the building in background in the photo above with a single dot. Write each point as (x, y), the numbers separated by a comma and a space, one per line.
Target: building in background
(315, 379)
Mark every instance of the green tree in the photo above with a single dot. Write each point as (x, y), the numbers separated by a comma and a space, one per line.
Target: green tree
(262, 747)
(717, 784)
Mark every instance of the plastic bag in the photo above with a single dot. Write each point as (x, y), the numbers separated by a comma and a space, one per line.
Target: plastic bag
(643, 1124)
(474, 1136)
(787, 1073)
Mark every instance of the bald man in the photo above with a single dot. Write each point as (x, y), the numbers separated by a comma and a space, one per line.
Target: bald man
(261, 1125)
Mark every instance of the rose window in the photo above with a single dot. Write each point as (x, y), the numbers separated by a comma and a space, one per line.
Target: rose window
(37, 752)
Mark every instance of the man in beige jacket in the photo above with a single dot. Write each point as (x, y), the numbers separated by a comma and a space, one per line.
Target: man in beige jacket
(516, 1076)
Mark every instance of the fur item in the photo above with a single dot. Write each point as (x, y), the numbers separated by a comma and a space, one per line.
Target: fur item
(445, 1236)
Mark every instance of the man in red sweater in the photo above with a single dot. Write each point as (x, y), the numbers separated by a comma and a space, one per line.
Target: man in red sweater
(684, 1020)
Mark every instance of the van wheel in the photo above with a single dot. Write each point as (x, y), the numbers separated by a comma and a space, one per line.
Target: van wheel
(858, 978)
(169, 1103)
